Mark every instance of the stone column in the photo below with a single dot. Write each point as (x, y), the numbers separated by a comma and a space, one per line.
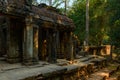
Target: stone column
(52, 45)
(49, 41)
(74, 46)
(61, 46)
(35, 43)
(65, 45)
(70, 55)
(28, 41)
(62, 50)
(58, 43)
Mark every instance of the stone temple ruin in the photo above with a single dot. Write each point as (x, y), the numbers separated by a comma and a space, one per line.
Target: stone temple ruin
(32, 33)
(42, 40)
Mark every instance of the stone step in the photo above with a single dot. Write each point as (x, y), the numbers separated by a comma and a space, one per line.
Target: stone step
(108, 73)
(116, 73)
(87, 58)
(100, 75)
(78, 56)
(25, 73)
(99, 63)
(115, 76)
(96, 64)
(97, 77)
(62, 62)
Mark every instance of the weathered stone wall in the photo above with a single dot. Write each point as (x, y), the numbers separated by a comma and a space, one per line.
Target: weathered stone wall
(104, 50)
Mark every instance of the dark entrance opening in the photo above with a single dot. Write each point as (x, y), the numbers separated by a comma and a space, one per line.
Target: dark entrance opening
(3, 36)
(11, 38)
(43, 44)
(16, 33)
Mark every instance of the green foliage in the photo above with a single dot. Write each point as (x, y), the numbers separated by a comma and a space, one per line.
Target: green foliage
(115, 34)
(77, 13)
(114, 21)
(98, 20)
(57, 3)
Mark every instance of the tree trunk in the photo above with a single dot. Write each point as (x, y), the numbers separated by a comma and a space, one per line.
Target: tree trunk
(65, 7)
(87, 23)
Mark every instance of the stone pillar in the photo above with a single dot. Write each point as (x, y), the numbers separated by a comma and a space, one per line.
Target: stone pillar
(74, 46)
(52, 46)
(57, 43)
(62, 50)
(49, 41)
(35, 43)
(61, 53)
(28, 41)
(65, 43)
(70, 46)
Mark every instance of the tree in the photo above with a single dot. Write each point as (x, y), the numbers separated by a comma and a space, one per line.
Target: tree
(57, 4)
(87, 23)
(98, 21)
(65, 6)
(77, 13)
(114, 21)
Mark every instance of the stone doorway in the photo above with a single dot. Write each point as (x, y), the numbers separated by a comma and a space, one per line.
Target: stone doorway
(11, 38)
(43, 54)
